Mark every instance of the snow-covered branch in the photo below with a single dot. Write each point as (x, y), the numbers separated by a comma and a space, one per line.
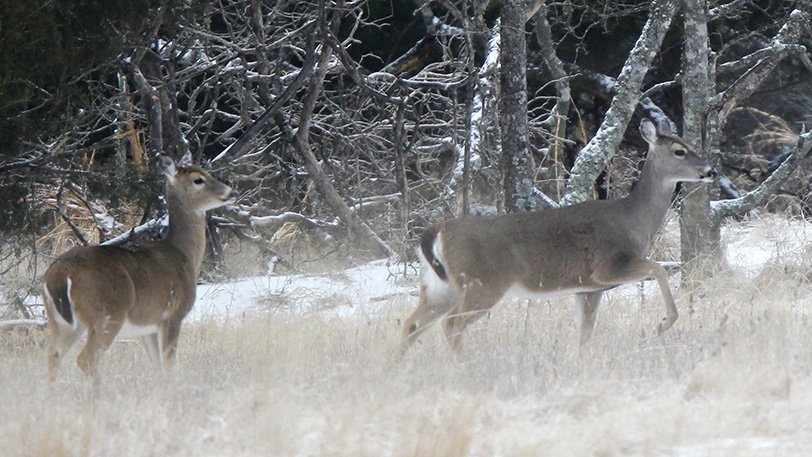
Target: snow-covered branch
(596, 154)
(544, 199)
(436, 26)
(760, 194)
(484, 106)
(368, 203)
(747, 83)
(730, 8)
(770, 52)
(277, 221)
(11, 324)
(150, 226)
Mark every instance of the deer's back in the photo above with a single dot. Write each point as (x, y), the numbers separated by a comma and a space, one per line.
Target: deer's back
(143, 283)
(549, 249)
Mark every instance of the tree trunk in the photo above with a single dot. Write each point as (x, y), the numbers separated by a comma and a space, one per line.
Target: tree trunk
(152, 106)
(561, 110)
(517, 166)
(400, 175)
(175, 143)
(483, 135)
(700, 240)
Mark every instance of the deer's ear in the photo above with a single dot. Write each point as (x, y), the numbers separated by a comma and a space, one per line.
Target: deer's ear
(648, 131)
(186, 160)
(664, 128)
(168, 166)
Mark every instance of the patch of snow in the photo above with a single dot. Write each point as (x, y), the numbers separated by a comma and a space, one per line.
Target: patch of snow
(749, 247)
(349, 293)
(753, 446)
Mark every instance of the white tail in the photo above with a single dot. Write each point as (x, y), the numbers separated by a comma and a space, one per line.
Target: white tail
(469, 264)
(107, 291)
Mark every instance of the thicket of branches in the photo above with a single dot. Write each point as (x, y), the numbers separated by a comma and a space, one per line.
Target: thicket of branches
(361, 121)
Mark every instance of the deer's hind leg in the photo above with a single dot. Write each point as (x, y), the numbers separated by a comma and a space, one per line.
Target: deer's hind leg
(60, 342)
(161, 346)
(586, 308)
(478, 300)
(171, 341)
(152, 346)
(432, 307)
(100, 336)
(62, 336)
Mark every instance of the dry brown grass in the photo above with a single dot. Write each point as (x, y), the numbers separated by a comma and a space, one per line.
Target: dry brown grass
(61, 237)
(732, 378)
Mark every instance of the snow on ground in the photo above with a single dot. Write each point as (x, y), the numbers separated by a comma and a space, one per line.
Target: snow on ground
(750, 246)
(347, 293)
(737, 446)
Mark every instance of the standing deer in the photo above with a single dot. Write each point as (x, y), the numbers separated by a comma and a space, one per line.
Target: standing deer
(109, 291)
(470, 263)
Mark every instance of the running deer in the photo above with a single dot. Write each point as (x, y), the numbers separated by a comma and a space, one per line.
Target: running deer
(110, 291)
(470, 263)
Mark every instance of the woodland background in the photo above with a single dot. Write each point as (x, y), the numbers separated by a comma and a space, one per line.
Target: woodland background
(348, 126)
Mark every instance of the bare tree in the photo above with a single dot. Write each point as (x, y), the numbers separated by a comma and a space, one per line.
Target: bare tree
(707, 111)
(696, 234)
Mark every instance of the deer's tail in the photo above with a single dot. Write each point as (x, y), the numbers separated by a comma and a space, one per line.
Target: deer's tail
(427, 243)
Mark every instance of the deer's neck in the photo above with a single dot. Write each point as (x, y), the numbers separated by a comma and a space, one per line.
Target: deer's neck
(187, 231)
(647, 204)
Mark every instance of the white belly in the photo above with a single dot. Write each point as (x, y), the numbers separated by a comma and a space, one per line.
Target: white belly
(130, 330)
(519, 291)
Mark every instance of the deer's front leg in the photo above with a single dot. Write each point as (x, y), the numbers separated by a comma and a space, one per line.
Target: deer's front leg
(637, 269)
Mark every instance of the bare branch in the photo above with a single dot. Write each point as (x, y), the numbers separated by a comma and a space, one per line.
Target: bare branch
(241, 146)
(768, 187)
(314, 169)
(752, 79)
(602, 146)
(76, 231)
(562, 106)
(728, 9)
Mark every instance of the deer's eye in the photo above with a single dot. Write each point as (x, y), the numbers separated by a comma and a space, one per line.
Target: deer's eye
(199, 181)
(680, 152)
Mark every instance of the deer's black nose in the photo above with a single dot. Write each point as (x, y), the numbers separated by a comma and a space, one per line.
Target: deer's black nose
(231, 197)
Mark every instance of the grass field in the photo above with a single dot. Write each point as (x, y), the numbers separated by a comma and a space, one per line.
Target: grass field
(732, 378)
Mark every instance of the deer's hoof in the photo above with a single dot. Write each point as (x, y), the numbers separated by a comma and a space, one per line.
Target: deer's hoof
(665, 325)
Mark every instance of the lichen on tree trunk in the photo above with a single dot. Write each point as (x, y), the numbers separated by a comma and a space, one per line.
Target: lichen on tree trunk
(699, 236)
(517, 166)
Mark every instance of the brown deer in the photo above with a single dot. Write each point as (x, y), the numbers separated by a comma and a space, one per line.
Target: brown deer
(470, 263)
(110, 291)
